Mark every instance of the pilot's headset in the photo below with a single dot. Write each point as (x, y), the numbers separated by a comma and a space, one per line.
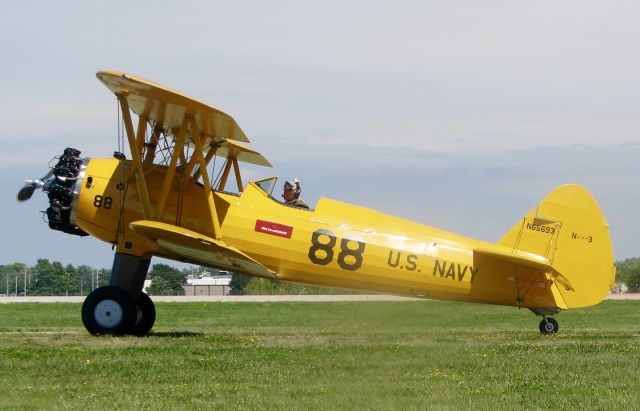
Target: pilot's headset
(293, 185)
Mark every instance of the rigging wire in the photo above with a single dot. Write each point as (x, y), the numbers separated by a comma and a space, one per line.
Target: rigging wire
(215, 182)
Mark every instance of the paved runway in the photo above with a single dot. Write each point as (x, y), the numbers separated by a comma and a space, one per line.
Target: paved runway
(258, 298)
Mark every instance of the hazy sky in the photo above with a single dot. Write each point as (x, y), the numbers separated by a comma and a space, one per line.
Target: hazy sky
(460, 115)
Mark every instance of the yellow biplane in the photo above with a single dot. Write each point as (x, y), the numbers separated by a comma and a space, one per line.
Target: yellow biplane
(163, 202)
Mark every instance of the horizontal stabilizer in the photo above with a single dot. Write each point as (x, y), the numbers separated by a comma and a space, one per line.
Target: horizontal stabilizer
(200, 249)
(524, 259)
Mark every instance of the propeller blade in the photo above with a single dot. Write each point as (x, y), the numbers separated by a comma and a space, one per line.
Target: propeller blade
(30, 186)
(26, 192)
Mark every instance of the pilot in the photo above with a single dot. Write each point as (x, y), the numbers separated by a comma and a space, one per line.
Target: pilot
(291, 194)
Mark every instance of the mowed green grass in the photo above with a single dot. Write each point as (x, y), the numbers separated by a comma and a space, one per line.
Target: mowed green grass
(338, 355)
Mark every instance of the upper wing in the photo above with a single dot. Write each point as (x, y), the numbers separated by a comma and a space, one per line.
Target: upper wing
(167, 108)
(198, 248)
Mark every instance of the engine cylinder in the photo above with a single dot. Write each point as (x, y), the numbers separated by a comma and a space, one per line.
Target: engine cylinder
(60, 192)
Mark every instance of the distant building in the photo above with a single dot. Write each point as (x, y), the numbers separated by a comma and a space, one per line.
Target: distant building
(218, 285)
(147, 284)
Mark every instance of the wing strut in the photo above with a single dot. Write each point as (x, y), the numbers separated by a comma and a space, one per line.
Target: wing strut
(197, 139)
(212, 152)
(225, 174)
(231, 161)
(236, 169)
(135, 154)
(171, 171)
(142, 129)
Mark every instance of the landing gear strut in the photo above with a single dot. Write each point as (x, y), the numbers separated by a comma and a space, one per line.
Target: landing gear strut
(548, 326)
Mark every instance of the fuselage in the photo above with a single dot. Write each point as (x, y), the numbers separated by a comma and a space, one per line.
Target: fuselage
(334, 244)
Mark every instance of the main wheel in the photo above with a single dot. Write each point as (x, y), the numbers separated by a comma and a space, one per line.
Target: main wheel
(548, 326)
(146, 316)
(108, 310)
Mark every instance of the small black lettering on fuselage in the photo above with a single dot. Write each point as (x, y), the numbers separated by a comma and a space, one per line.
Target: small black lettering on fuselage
(541, 228)
(582, 237)
(453, 271)
(407, 262)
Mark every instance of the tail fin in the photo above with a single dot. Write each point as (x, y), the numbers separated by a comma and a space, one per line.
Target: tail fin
(568, 229)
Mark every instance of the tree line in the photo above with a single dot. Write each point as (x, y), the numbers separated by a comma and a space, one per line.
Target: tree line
(628, 275)
(50, 278)
(54, 278)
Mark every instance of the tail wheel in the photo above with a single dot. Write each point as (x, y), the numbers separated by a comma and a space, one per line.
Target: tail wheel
(146, 316)
(108, 310)
(548, 326)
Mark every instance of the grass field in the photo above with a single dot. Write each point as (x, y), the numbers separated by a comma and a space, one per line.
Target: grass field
(345, 355)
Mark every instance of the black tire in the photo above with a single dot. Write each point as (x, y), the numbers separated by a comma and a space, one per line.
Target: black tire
(145, 316)
(548, 326)
(108, 310)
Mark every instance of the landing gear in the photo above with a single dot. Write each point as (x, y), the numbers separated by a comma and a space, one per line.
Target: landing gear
(108, 310)
(548, 326)
(146, 316)
(121, 307)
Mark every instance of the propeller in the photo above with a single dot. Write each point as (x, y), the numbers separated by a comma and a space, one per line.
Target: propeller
(30, 186)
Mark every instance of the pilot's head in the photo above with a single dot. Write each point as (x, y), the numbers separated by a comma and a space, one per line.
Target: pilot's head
(292, 189)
